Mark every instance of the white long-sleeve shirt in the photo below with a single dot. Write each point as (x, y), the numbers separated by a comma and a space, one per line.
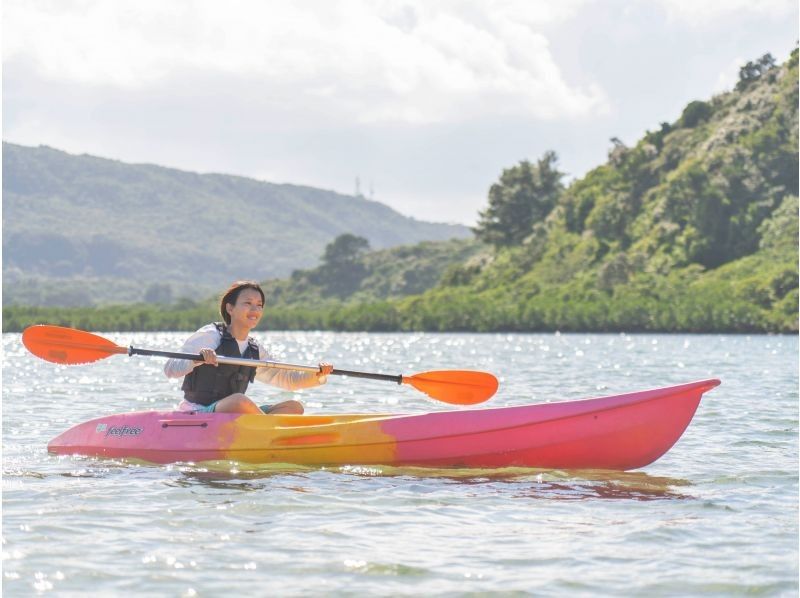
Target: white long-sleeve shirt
(208, 337)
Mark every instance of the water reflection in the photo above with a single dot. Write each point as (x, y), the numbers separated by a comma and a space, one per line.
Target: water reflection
(218, 480)
(565, 485)
(515, 483)
(227, 475)
(510, 482)
(579, 490)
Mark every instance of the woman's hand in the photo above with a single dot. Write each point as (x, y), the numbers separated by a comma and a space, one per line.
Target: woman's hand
(324, 369)
(209, 356)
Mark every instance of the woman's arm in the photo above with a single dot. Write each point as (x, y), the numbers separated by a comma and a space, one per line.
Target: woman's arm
(207, 337)
(286, 379)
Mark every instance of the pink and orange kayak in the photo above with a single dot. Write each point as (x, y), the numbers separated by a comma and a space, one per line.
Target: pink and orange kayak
(618, 432)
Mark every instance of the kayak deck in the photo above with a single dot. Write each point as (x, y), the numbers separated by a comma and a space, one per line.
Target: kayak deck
(619, 432)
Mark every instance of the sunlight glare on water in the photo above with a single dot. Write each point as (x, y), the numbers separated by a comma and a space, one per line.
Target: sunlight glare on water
(717, 515)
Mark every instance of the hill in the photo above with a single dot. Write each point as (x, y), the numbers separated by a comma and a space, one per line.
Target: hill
(693, 228)
(83, 230)
(377, 275)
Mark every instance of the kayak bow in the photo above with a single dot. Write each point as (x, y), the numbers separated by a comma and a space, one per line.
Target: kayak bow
(618, 432)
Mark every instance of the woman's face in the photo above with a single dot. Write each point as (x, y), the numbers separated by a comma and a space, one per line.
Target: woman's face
(248, 309)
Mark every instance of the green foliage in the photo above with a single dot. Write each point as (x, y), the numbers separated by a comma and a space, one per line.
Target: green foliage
(704, 215)
(137, 317)
(378, 275)
(19, 289)
(610, 215)
(693, 229)
(524, 195)
(656, 138)
(158, 293)
(458, 275)
(580, 198)
(780, 231)
(130, 226)
(754, 70)
(342, 272)
(695, 113)
(344, 249)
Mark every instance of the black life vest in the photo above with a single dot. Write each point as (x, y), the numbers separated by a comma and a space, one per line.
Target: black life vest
(206, 383)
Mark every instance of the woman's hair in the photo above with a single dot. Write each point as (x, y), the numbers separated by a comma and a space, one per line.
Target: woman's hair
(232, 294)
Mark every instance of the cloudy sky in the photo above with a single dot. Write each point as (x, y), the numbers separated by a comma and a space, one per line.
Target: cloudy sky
(424, 101)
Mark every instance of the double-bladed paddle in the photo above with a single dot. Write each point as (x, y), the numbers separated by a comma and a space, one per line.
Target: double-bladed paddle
(69, 346)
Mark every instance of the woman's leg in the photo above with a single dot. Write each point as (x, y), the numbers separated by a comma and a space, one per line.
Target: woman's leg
(236, 403)
(286, 408)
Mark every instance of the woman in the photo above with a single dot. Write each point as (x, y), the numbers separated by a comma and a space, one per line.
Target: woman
(212, 387)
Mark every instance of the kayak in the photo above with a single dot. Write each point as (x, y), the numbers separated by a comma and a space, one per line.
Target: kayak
(619, 432)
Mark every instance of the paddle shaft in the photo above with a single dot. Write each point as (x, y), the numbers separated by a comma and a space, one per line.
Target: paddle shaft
(264, 363)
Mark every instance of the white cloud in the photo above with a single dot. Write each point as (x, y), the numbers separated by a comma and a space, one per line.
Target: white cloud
(702, 12)
(370, 62)
(430, 99)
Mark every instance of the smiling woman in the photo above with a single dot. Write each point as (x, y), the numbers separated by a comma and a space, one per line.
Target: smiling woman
(214, 387)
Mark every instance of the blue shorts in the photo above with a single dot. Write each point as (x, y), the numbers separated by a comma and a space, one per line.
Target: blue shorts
(197, 407)
(212, 407)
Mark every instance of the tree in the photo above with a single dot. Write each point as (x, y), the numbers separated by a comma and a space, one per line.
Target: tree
(342, 270)
(345, 249)
(753, 71)
(616, 155)
(524, 195)
(158, 293)
(695, 113)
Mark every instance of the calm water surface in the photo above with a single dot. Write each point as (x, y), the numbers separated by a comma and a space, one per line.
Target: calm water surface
(717, 515)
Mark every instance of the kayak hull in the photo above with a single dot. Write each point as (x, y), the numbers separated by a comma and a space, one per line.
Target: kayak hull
(619, 432)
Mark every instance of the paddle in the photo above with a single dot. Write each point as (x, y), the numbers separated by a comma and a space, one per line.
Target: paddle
(69, 346)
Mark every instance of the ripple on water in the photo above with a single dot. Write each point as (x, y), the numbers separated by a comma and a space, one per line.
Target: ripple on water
(716, 515)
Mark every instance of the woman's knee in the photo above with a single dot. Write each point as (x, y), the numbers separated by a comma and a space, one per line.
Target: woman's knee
(237, 403)
(287, 408)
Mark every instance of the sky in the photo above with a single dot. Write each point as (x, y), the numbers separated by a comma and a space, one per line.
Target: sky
(417, 104)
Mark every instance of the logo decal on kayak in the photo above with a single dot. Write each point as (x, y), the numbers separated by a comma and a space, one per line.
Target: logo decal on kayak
(101, 427)
(123, 431)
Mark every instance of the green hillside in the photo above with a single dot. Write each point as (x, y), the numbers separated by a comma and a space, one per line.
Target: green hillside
(348, 280)
(374, 276)
(83, 230)
(692, 229)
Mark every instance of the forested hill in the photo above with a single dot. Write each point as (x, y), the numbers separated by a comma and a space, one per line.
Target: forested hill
(75, 227)
(692, 228)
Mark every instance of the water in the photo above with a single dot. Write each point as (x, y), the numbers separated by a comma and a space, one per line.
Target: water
(716, 515)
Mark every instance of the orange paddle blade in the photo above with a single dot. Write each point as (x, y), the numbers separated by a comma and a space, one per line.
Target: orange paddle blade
(67, 345)
(459, 387)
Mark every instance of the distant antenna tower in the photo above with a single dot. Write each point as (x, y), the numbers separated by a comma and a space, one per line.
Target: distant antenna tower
(358, 187)
(371, 190)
